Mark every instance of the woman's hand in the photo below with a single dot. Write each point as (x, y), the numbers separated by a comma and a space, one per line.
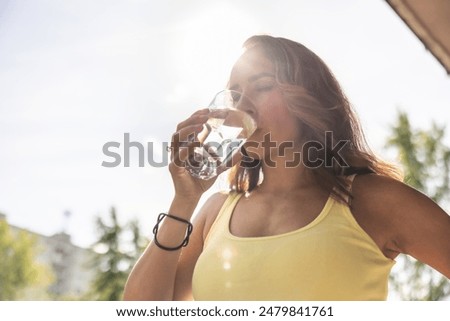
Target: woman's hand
(182, 146)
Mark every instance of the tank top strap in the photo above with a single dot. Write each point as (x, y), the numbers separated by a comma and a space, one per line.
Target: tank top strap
(222, 220)
(351, 179)
(230, 203)
(350, 174)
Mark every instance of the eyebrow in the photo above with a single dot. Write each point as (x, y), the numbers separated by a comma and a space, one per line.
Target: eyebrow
(256, 77)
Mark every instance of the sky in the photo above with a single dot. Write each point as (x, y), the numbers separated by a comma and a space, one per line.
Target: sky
(77, 74)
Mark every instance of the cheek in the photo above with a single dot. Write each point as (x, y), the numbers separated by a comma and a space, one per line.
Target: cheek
(272, 112)
(274, 117)
(282, 123)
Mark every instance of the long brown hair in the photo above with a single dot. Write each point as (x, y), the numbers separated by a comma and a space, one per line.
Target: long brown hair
(316, 99)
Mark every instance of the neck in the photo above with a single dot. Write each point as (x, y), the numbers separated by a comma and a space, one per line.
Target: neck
(282, 179)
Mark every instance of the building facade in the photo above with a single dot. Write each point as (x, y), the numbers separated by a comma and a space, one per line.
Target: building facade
(71, 267)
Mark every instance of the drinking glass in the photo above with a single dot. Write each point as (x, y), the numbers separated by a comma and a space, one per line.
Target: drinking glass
(222, 137)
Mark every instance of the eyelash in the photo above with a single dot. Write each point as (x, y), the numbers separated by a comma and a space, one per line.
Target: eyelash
(264, 88)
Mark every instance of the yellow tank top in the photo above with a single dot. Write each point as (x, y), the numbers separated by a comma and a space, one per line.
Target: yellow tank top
(332, 258)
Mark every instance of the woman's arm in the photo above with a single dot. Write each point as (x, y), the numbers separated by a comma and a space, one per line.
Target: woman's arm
(190, 254)
(412, 222)
(153, 276)
(157, 274)
(423, 229)
(167, 275)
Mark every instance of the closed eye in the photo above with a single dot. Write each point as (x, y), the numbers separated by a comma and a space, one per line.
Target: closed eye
(264, 87)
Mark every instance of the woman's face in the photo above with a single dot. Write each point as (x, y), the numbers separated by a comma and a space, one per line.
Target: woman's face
(253, 75)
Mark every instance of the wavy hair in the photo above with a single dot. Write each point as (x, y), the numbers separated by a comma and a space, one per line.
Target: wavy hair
(316, 99)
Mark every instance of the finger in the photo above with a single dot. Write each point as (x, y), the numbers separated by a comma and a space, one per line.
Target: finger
(201, 112)
(183, 139)
(193, 120)
(180, 156)
(184, 135)
(191, 148)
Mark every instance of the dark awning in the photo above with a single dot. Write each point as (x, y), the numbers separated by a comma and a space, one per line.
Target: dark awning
(430, 21)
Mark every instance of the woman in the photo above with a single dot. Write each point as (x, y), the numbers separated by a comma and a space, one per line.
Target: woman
(326, 228)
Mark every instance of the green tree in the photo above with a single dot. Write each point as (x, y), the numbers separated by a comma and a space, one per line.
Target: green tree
(138, 241)
(119, 247)
(17, 264)
(426, 164)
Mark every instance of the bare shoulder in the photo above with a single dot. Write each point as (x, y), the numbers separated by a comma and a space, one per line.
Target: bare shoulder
(404, 219)
(388, 195)
(209, 211)
(378, 185)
